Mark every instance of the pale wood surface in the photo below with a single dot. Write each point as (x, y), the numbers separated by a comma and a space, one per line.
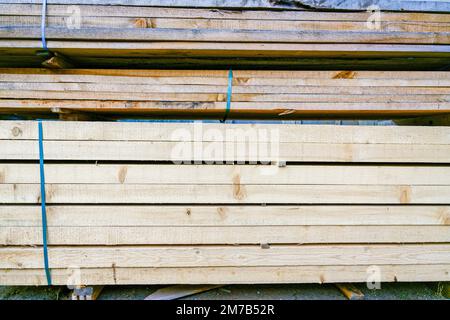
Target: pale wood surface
(288, 133)
(139, 235)
(233, 194)
(197, 215)
(424, 5)
(225, 174)
(230, 275)
(225, 256)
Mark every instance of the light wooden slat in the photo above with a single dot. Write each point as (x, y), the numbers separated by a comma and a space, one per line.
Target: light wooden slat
(403, 5)
(233, 194)
(226, 275)
(161, 12)
(62, 75)
(183, 152)
(219, 90)
(225, 24)
(202, 35)
(172, 82)
(108, 83)
(141, 131)
(225, 256)
(199, 94)
(197, 215)
(224, 174)
(71, 236)
(240, 110)
(423, 101)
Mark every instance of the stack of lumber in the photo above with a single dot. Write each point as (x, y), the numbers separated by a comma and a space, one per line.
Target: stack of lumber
(154, 203)
(203, 94)
(124, 35)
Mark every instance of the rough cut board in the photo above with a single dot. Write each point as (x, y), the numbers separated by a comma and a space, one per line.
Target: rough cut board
(227, 275)
(225, 256)
(399, 5)
(225, 216)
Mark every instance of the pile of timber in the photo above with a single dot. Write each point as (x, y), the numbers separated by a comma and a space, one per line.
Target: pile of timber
(160, 203)
(130, 35)
(109, 94)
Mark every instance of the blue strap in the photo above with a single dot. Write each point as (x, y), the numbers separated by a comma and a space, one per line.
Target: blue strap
(43, 24)
(43, 208)
(229, 93)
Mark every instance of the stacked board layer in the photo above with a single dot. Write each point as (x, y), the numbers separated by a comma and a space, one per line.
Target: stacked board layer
(121, 35)
(204, 94)
(399, 5)
(159, 203)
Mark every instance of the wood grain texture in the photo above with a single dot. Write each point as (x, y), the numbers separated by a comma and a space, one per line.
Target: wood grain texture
(224, 174)
(200, 94)
(226, 275)
(288, 133)
(224, 216)
(135, 33)
(139, 235)
(225, 256)
(403, 5)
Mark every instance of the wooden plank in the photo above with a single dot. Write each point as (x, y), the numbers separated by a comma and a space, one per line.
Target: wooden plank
(141, 21)
(229, 275)
(225, 256)
(224, 174)
(127, 84)
(203, 35)
(233, 194)
(288, 133)
(30, 80)
(139, 235)
(242, 110)
(119, 75)
(219, 153)
(405, 103)
(403, 5)
(197, 215)
(229, 14)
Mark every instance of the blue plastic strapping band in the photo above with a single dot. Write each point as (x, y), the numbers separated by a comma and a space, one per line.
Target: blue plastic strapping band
(229, 93)
(43, 24)
(43, 207)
